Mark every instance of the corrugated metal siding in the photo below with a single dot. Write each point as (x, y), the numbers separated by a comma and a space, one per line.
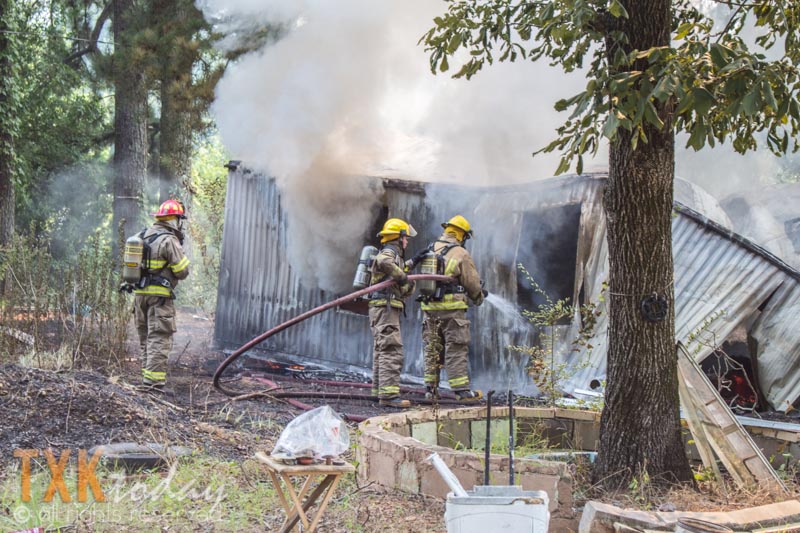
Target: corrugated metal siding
(720, 281)
(257, 289)
(719, 285)
(776, 332)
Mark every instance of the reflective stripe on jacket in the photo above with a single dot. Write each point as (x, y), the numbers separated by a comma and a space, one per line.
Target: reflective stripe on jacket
(166, 260)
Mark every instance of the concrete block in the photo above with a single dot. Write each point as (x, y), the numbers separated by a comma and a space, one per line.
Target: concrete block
(586, 435)
(425, 432)
(362, 463)
(468, 461)
(416, 417)
(499, 433)
(690, 447)
(403, 430)
(408, 477)
(544, 433)
(431, 483)
(534, 466)
(533, 412)
(472, 413)
(577, 414)
(420, 454)
(382, 469)
(455, 434)
(549, 484)
(398, 454)
(565, 500)
(788, 436)
(772, 449)
(370, 442)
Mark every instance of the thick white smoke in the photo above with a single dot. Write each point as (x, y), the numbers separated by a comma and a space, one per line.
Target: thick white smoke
(347, 92)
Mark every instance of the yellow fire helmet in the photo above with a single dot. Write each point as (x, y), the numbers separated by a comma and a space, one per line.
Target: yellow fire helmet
(461, 223)
(394, 228)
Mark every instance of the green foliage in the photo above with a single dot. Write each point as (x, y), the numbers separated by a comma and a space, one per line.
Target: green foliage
(198, 493)
(542, 366)
(209, 181)
(711, 84)
(9, 86)
(61, 313)
(59, 114)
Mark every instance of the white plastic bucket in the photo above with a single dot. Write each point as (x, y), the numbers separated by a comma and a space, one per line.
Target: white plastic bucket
(503, 508)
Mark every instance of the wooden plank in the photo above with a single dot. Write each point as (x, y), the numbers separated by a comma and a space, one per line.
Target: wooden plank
(723, 432)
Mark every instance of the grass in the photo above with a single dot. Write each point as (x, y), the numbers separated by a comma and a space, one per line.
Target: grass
(199, 494)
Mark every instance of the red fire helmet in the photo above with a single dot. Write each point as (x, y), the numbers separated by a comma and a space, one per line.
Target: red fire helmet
(171, 208)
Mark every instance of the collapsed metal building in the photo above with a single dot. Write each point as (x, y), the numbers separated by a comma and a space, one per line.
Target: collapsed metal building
(727, 288)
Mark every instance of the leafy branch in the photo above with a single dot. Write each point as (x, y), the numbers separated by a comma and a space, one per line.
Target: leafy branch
(708, 85)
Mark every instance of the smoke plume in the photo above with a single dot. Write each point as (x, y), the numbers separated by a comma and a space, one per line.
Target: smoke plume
(345, 90)
(348, 92)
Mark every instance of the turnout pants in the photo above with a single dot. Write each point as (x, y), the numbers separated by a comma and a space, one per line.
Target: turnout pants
(387, 350)
(155, 323)
(445, 335)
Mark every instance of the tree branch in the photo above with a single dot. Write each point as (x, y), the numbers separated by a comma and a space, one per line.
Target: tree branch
(105, 14)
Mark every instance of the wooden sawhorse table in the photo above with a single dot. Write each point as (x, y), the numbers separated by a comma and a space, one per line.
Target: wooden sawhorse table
(296, 509)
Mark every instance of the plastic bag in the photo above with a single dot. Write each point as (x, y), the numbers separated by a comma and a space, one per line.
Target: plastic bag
(317, 433)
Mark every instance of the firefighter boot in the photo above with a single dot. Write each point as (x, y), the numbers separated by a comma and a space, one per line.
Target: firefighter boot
(399, 403)
(468, 395)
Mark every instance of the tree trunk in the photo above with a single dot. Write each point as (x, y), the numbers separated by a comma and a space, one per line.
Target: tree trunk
(130, 122)
(175, 146)
(6, 137)
(640, 425)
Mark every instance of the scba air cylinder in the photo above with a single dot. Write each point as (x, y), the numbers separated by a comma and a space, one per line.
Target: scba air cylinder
(132, 259)
(363, 276)
(428, 265)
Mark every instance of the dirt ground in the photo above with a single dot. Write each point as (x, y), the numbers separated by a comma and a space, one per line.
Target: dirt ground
(71, 410)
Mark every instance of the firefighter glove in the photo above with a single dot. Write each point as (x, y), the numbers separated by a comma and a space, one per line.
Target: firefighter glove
(406, 289)
(402, 279)
(417, 257)
(479, 299)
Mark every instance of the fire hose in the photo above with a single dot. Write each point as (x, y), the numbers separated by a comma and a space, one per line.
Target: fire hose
(308, 314)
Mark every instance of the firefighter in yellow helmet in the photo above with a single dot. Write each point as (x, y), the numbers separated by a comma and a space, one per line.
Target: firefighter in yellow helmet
(385, 308)
(154, 303)
(445, 329)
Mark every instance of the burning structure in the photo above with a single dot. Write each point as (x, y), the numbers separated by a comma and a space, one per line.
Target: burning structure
(730, 293)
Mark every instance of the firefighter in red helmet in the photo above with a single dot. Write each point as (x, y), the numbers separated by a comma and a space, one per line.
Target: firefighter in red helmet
(154, 303)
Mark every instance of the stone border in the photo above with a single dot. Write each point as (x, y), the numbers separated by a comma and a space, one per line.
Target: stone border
(393, 449)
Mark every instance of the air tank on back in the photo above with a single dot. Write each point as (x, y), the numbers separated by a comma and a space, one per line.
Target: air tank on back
(363, 276)
(428, 265)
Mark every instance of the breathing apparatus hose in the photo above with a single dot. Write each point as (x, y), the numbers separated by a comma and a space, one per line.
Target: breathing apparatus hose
(308, 314)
